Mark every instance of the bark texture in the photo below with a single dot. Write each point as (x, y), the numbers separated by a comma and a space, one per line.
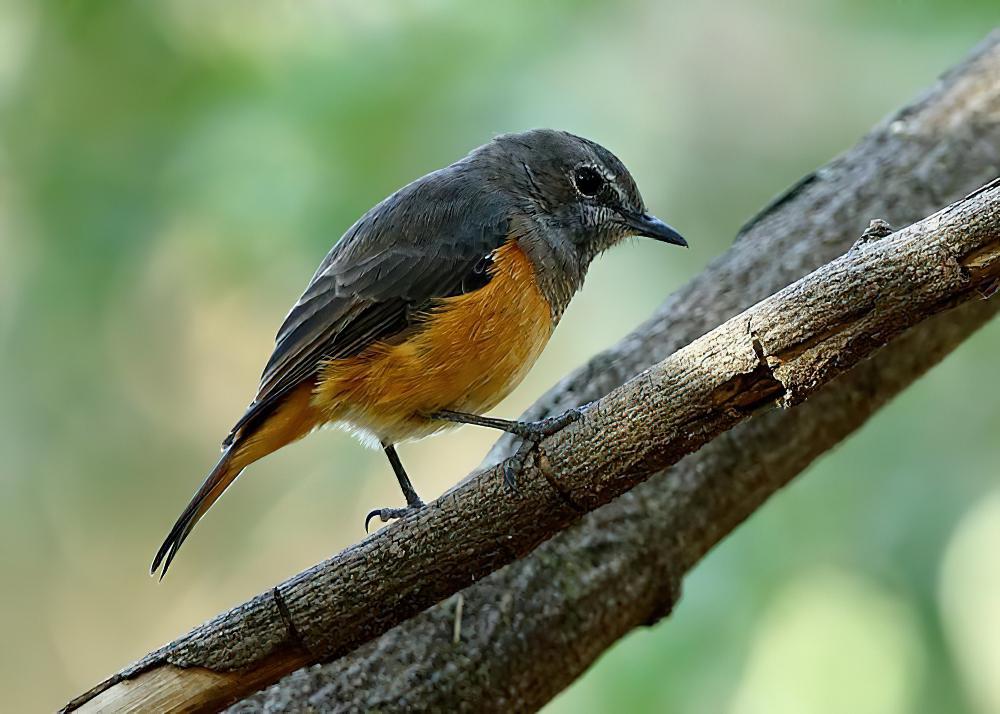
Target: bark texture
(621, 566)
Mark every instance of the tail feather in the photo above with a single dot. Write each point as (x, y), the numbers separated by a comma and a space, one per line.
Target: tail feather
(294, 417)
(224, 473)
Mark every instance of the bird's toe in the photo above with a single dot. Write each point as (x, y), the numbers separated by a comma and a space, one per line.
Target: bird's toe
(389, 514)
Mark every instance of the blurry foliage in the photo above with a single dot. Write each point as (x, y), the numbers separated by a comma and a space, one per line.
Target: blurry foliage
(170, 174)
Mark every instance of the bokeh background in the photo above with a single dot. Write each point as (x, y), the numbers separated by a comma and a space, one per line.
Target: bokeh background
(170, 174)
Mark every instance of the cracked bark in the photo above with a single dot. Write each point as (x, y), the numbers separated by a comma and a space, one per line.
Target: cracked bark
(571, 597)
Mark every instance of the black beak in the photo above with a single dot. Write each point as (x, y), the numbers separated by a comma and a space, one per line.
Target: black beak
(652, 227)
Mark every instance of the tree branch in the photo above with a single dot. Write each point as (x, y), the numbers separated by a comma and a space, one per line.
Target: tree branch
(788, 346)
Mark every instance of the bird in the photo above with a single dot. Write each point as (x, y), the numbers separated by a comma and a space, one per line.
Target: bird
(434, 305)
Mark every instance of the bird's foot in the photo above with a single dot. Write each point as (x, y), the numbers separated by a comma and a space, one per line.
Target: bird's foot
(535, 431)
(514, 464)
(532, 432)
(388, 514)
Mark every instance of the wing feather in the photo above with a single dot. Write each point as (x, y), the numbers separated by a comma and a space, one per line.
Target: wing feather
(417, 245)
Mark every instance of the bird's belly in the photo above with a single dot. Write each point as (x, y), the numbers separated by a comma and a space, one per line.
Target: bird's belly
(467, 355)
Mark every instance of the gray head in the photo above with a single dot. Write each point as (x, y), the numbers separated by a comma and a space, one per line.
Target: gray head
(575, 186)
(579, 197)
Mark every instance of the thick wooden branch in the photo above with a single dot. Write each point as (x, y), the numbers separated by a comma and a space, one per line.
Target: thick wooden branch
(783, 349)
(619, 568)
(786, 347)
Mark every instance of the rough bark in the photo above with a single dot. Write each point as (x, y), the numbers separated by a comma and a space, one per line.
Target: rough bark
(616, 570)
(570, 596)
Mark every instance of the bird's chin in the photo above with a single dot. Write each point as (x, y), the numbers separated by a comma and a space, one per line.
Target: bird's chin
(617, 233)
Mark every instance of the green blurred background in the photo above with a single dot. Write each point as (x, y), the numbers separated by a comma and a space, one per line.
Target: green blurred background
(170, 174)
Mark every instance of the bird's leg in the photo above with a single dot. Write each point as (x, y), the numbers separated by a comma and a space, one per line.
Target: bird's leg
(531, 432)
(528, 430)
(413, 502)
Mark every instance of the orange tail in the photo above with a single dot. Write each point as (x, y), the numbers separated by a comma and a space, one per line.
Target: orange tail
(218, 481)
(291, 420)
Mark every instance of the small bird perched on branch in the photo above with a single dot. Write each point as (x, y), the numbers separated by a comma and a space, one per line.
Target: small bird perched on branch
(434, 306)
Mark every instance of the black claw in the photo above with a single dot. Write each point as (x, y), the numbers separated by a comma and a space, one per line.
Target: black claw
(388, 514)
(515, 463)
(372, 514)
(511, 468)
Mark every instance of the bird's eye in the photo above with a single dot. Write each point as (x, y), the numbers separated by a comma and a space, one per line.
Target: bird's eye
(588, 180)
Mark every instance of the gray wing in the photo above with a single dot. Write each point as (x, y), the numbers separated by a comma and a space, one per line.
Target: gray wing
(431, 239)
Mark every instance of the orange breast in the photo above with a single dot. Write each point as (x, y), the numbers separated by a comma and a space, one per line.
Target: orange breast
(467, 355)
